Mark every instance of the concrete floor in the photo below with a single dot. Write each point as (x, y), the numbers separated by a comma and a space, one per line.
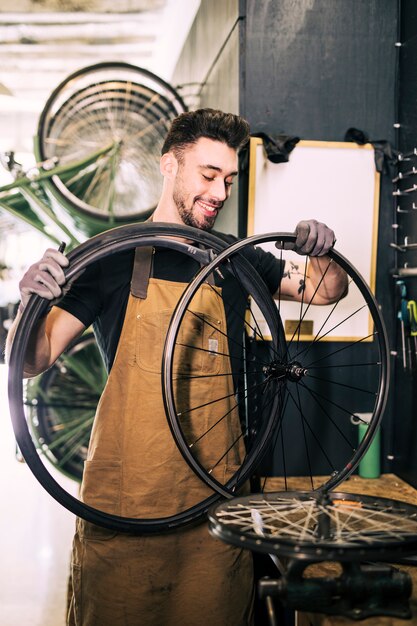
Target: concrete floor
(35, 538)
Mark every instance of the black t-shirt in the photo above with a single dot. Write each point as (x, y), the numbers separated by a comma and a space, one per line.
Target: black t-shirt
(99, 296)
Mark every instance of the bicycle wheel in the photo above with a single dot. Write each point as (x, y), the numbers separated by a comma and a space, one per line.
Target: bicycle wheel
(115, 106)
(330, 379)
(110, 242)
(60, 425)
(315, 526)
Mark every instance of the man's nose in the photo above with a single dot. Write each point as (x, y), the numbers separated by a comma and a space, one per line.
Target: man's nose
(219, 190)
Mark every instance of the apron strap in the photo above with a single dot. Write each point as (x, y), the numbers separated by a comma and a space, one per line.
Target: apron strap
(210, 279)
(142, 269)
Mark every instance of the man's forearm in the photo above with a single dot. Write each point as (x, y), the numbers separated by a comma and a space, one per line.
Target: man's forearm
(327, 281)
(38, 352)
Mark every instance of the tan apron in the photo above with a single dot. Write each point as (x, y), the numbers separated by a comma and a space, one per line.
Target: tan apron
(134, 469)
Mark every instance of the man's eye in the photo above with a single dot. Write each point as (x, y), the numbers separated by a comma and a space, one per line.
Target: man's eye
(228, 184)
(207, 177)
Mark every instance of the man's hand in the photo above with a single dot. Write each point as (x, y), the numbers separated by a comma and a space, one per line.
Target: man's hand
(44, 278)
(312, 238)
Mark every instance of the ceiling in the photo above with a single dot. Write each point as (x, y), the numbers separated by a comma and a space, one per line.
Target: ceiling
(43, 41)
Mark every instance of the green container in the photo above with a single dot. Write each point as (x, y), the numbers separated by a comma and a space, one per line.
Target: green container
(370, 465)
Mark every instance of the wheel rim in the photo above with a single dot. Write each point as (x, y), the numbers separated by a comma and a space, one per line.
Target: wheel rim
(115, 105)
(335, 526)
(324, 463)
(116, 240)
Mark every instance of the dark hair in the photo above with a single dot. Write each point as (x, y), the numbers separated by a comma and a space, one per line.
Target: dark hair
(189, 127)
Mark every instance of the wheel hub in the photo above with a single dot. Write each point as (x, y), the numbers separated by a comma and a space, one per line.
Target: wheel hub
(291, 371)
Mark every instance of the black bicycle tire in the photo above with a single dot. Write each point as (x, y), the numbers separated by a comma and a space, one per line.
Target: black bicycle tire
(321, 549)
(114, 240)
(284, 238)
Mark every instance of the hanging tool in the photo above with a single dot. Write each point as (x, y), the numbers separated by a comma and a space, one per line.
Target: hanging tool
(412, 316)
(402, 175)
(403, 316)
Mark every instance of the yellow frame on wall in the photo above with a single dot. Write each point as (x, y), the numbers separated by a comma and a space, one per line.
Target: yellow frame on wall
(333, 182)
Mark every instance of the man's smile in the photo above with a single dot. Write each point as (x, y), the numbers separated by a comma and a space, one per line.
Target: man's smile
(210, 208)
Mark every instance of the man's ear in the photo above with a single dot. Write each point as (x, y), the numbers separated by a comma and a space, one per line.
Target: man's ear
(168, 165)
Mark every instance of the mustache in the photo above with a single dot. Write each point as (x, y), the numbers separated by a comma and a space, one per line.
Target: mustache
(215, 203)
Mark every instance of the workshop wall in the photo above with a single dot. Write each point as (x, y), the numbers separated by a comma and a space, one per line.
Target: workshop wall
(405, 424)
(313, 69)
(207, 73)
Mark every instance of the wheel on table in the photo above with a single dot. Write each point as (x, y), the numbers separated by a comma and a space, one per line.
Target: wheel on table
(61, 405)
(121, 109)
(318, 526)
(110, 242)
(303, 389)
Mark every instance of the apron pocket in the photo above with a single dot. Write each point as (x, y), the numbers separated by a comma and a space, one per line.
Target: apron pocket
(101, 489)
(199, 347)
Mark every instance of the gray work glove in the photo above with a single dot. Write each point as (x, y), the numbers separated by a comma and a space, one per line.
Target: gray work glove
(45, 278)
(312, 238)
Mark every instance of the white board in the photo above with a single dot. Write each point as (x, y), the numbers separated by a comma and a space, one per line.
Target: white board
(335, 183)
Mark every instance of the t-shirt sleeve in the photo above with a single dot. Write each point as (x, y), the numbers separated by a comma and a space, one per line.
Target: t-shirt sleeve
(269, 267)
(266, 264)
(83, 299)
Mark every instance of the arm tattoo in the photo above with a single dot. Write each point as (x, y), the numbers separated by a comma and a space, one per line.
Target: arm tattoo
(295, 271)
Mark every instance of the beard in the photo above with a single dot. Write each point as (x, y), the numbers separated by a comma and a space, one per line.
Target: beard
(204, 222)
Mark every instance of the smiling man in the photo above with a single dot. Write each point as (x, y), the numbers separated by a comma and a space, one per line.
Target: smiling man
(199, 172)
(134, 469)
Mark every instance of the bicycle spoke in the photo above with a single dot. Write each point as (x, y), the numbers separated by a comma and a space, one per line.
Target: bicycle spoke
(279, 433)
(350, 346)
(254, 328)
(335, 382)
(215, 401)
(317, 336)
(329, 417)
(304, 312)
(343, 365)
(304, 423)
